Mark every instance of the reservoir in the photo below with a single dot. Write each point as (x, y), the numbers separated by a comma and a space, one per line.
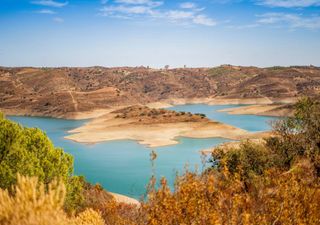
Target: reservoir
(124, 166)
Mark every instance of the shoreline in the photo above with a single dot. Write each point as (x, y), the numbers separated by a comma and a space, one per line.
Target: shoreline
(102, 126)
(152, 130)
(92, 114)
(155, 136)
(120, 198)
(231, 145)
(272, 110)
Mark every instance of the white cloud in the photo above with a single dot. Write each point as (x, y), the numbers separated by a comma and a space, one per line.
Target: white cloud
(46, 11)
(50, 3)
(187, 13)
(135, 2)
(112, 10)
(185, 16)
(293, 21)
(188, 5)
(58, 20)
(178, 15)
(204, 20)
(150, 3)
(241, 27)
(289, 3)
(127, 8)
(104, 2)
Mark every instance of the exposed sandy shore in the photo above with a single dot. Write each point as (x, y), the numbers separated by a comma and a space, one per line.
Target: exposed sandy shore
(233, 145)
(219, 101)
(160, 104)
(107, 128)
(69, 115)
(261, 110)
(155, 134)
(124, 199)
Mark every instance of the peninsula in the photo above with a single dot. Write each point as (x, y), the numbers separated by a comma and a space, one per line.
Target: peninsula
(152, 127)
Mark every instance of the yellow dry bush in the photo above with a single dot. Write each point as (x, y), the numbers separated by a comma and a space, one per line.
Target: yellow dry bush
(221, 198)
(89, 217)
(120, 214)
(217, 198)
(34, 204)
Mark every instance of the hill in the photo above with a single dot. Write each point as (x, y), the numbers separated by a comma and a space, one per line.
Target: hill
(68, 92)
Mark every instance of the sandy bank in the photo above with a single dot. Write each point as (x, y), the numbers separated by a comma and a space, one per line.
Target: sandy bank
(98, 112)
(153, 134)
(236, 144)
(59, 115)
(227, 101)
(124, 199)
(278, 110)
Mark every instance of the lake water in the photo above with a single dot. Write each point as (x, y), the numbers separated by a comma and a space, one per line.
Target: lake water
(124, 166)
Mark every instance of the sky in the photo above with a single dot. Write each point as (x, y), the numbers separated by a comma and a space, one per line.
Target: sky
(155, 33)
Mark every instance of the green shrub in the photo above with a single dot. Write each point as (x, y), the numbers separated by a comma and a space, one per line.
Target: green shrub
(299, 136)
(248, 160)
(29, 152)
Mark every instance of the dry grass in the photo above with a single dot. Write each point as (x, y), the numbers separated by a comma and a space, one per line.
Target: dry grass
(34, 204)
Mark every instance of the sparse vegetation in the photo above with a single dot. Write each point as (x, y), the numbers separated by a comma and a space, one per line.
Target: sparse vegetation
(100, 88)
(148, 115)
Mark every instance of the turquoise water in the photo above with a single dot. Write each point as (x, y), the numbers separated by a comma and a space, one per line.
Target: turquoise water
(247, 122)
(124, 166)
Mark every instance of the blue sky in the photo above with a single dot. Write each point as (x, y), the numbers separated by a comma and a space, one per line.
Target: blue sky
(159, 32)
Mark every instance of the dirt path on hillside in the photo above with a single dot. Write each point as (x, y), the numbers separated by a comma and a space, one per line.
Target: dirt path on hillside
(75, 103)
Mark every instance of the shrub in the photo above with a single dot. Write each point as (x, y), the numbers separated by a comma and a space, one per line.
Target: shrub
(299, 135)
(34, 203)
(247, 160)
(29, 151)
(220, 198)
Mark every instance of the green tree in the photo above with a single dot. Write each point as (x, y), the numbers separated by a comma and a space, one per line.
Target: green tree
(248, 159)
(299, 136)
(29, 152)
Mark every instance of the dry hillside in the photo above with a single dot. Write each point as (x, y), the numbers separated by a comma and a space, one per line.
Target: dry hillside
(59, 91)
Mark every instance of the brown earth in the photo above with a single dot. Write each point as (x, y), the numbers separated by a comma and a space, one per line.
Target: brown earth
(87, 92)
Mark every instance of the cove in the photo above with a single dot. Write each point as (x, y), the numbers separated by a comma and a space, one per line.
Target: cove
(124, 166)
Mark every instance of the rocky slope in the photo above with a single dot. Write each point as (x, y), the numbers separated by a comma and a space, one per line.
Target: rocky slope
(64, 92)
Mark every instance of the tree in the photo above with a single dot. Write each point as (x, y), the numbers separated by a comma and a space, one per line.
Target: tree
(299, 136)
(29, 152)
(248, 160)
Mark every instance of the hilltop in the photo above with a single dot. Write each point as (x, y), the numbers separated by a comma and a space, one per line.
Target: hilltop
(73, 92)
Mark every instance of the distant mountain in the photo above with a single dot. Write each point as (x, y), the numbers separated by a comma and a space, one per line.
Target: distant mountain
(61, 91)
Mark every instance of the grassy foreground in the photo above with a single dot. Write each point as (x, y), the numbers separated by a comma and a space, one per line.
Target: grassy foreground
(275, 182)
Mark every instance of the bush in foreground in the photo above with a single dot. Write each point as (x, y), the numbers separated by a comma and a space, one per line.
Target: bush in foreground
(33, 203)
(221, 198)
(29, 152)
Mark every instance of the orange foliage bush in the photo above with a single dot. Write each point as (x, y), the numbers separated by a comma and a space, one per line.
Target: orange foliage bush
(215, 197)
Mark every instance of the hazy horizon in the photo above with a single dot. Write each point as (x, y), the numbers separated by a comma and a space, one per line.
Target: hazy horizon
(155, 68)
(155, 33)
